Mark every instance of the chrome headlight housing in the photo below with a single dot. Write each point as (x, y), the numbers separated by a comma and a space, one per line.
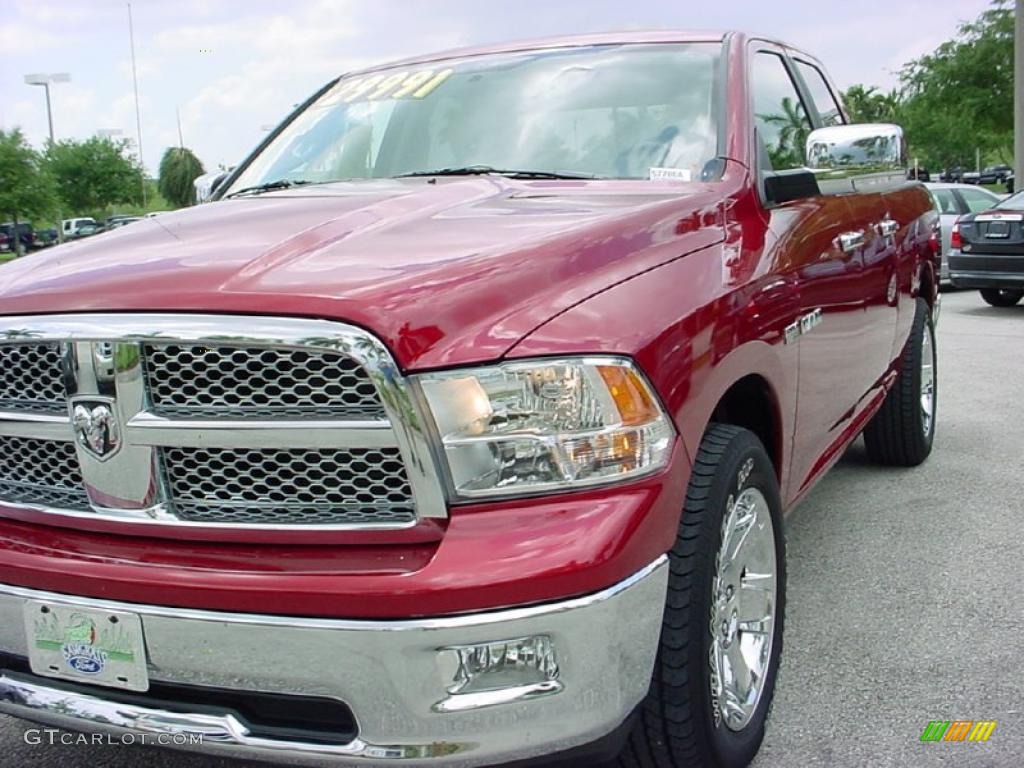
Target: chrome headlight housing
(535, 426)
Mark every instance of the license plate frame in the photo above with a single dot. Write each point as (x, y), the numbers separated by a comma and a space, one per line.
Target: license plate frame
(997, 230)
(89, 645)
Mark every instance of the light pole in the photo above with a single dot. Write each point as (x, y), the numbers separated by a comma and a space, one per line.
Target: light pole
(45, 80)
(138, 113)
(1018, 109)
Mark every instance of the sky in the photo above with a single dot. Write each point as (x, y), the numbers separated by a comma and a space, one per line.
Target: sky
(232, 68)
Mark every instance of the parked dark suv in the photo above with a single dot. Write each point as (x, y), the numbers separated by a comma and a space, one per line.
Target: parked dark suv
(995, 174)
(26, 235)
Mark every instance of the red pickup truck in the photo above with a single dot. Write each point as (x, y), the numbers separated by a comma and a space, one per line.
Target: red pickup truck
(460, 428)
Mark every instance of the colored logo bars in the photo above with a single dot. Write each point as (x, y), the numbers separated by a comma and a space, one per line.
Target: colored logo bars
(958, 730)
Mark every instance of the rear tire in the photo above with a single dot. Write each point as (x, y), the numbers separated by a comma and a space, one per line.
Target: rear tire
(902, 432)
(733, 498)
(1000, 297)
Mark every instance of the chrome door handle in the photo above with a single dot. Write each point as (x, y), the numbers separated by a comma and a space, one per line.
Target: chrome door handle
(851, 241)
(888, 227)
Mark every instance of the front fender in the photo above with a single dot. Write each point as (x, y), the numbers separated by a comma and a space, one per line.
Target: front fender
(693, 336)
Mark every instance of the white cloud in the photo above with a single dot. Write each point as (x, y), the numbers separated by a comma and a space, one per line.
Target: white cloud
(310, 26)
(205, 36)
(48, 13)
(843, 47)
(286, 58)
(146, 66)
(17, 38)
(29, 114)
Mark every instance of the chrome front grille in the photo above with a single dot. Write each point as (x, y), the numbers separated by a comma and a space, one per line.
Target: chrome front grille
(304, 487)
(31, 378)
(43, 472)
(224, 381)
(210, 421)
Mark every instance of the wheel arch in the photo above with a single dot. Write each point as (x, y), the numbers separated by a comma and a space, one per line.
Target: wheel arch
(754, 388)
(927, 282)
(751, 403)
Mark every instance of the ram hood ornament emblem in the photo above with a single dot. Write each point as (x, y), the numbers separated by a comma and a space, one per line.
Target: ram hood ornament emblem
(96, 427)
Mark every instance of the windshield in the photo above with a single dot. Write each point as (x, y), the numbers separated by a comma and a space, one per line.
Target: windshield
(612, 111)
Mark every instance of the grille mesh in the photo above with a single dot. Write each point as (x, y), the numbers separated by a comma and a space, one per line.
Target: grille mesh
(239, 382)
(31, 378)
(41, 472)
(251, 486)
(289, 487)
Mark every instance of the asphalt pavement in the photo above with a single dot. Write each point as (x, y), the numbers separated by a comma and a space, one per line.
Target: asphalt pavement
(904, 589)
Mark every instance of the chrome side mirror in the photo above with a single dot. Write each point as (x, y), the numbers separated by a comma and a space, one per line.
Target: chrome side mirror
(864, 147)
(207, 184)
(848, 156)
(218, 181)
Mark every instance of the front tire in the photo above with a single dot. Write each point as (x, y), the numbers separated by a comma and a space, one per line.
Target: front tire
(902, 432)
(721, 638)
(1000, 297)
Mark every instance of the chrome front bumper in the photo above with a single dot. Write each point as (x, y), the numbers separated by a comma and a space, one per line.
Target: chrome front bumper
(392, 674)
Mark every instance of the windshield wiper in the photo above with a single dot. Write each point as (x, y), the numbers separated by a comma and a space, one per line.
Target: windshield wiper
(268, 186)
(486, 170)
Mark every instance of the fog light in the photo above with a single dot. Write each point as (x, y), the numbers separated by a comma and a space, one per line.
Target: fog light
(500, 672)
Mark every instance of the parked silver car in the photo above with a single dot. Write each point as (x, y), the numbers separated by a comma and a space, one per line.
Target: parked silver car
(952, 201)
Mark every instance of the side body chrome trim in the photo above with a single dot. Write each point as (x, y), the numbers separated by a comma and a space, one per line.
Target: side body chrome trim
(102, 360)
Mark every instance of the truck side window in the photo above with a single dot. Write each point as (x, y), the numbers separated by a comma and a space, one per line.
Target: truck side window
(821, 94)
(779, 114)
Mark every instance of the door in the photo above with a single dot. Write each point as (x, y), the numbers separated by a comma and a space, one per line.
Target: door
(885, 222)
(873, 238)
(820, 247)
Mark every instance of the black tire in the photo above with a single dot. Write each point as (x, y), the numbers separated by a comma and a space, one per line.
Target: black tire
(897, 435)
(1000, 297)
(676, 723)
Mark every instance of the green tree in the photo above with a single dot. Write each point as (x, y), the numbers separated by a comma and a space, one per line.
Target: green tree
(866, 104)
(26, 189)
(94, 174)
(960, 96)
(793, 129)
(179, 167)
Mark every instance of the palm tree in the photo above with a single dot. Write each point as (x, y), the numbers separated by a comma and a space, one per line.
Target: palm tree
(179, 168)
(792, 135)
(865, 104)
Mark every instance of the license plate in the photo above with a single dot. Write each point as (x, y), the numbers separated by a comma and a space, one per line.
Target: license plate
(86, 645)
(997, 229)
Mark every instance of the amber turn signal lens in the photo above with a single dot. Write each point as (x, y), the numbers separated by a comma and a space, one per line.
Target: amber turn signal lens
(630, 395)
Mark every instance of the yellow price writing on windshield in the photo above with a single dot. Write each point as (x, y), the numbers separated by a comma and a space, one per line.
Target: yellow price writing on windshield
(397, 85)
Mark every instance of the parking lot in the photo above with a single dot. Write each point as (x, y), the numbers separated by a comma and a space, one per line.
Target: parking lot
(904, 588)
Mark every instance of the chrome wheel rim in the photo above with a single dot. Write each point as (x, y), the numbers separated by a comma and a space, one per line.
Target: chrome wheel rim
(927, 382)
(743, 609)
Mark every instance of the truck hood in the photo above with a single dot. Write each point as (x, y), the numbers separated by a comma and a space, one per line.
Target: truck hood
(445, 272)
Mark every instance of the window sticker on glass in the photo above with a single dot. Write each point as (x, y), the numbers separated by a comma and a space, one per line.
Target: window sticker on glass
(399, 85)
(670, 174)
